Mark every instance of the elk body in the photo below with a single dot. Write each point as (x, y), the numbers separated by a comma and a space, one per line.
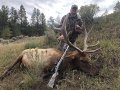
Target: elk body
(48, 58)
(77, 59)
(31, 57)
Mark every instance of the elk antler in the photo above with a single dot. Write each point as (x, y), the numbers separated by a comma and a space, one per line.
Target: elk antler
(85, 42)
(66, 37)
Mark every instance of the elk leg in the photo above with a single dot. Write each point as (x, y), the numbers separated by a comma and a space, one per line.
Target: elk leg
(10, 68)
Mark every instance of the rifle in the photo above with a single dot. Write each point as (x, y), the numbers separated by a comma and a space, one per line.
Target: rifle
(52, 80)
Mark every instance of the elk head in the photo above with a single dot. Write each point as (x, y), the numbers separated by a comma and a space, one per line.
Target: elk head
(80, 57)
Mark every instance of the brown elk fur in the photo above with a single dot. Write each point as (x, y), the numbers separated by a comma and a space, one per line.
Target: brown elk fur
(30, 57)
(50, 57)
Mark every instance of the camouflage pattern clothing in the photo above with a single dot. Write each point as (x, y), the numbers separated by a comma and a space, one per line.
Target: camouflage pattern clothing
(70, 26)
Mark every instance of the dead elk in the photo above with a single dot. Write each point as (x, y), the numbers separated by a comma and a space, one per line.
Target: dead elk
(77, 59)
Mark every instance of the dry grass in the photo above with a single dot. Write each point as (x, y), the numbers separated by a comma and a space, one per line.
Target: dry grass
(109, 75)
(8, 54)
(109, 57)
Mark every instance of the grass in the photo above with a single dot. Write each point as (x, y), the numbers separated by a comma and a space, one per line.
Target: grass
(108, 56)
(8, 54)
(108, 78)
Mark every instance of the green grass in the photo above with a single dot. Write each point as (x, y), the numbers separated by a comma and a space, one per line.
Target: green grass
(108, 56)
(109, 75)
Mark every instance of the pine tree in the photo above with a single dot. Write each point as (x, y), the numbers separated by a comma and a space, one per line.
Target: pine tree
(33, 17)
(38, 22)
(13, 19)
(43, 23)
(13, 15)
(6, 33)
(51, 22)
(3, 18)
(117, 7)
(22, 20)
(22, 16)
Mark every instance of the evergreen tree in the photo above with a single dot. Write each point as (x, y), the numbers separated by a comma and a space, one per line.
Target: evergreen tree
(3, 18)
(13, 15)
(38, 22)
(33, 17)
(14, 23)
(43, 23)
(22, 20)
(51, 22)
(6, 33)
(117, 7)
(13, 19)
(22, 16)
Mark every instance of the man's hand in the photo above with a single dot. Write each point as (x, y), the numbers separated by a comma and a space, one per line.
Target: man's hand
(78, 28)
(61, 37)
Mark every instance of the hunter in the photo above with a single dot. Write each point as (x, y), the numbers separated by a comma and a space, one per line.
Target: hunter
(74, 25)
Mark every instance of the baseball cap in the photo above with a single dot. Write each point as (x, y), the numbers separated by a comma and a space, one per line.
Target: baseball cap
(74, 7)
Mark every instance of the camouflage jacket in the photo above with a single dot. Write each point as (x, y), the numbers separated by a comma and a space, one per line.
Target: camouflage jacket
(72, 21)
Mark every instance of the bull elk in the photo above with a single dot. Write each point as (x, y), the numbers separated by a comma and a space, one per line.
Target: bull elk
(77, 59)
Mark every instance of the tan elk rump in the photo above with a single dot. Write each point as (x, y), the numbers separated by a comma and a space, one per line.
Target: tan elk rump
(30, 56)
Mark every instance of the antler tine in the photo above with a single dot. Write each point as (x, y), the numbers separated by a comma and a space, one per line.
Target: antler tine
(94, 45)
(92, 51)
(85, 40)
(88, 46)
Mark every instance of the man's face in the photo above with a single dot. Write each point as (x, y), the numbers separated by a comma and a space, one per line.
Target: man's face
(73, 10)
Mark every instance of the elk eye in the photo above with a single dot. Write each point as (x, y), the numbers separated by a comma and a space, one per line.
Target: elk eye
(83, 59)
